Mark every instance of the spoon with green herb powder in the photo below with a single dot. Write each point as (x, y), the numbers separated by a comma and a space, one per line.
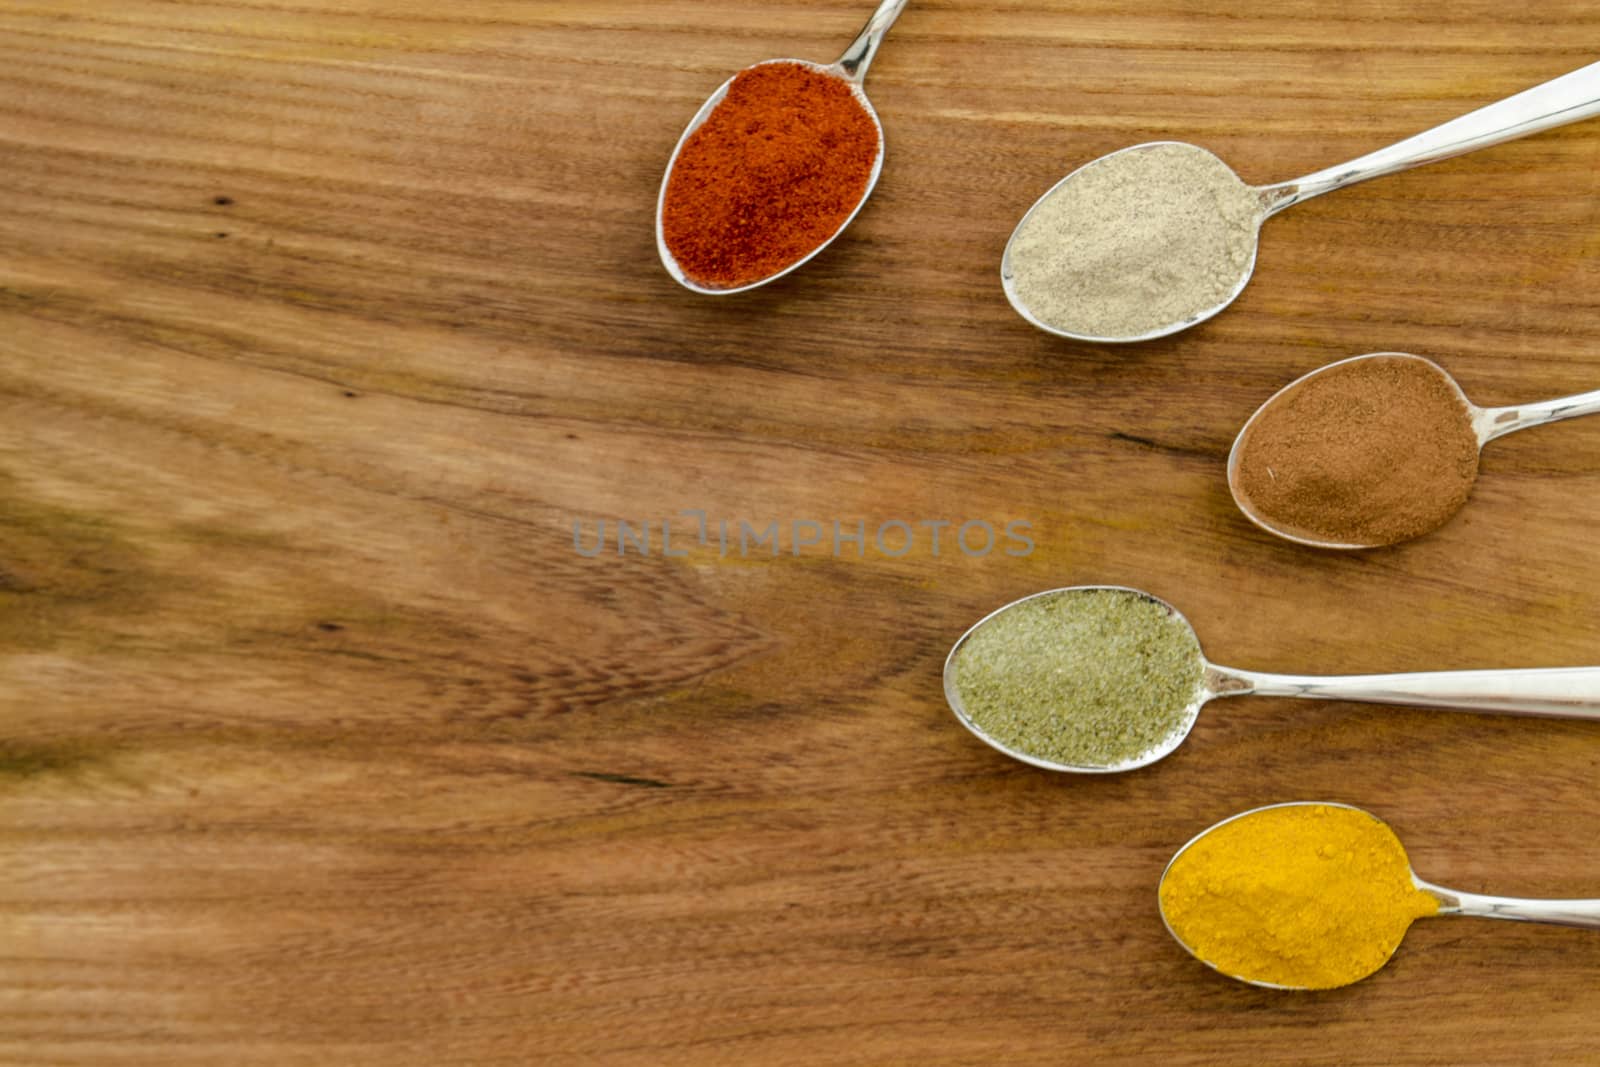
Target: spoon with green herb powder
(1101, 678)
(1155, 238)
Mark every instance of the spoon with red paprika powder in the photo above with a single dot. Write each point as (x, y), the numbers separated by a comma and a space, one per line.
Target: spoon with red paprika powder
(772, 168)
(1371, 451)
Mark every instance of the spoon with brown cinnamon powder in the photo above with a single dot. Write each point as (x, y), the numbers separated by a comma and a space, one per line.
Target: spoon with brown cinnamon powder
(1371, 451)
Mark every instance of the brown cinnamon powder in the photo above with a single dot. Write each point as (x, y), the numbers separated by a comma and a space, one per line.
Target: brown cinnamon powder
(1368, 452)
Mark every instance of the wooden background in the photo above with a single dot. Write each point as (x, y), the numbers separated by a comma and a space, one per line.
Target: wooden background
(320, 325)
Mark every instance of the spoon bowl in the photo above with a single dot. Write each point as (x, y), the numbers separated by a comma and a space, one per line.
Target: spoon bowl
(1156, 252)
(1186, 717)
(1226, 263)
(1584, 913)
(1166, 919)
(1486, 424)
(851, 69)
(1562, 692)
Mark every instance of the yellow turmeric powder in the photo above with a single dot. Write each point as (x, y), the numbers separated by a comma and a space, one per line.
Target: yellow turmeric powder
(1310, 896)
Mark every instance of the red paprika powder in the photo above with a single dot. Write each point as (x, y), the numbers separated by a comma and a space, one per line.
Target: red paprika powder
(774, 171)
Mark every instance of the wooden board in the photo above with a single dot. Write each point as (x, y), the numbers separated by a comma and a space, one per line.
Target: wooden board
(322, 324)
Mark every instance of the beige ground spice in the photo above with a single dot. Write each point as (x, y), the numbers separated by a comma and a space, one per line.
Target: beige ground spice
(1135, 242)
(1369, 452)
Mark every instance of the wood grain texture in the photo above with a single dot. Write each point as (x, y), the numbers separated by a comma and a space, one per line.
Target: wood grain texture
(322, 323)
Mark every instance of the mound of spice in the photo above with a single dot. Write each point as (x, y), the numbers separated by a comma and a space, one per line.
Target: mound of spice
(1311, 896)
(1367, 452)
(1084, 677)
(1136, 242)
(775, 170)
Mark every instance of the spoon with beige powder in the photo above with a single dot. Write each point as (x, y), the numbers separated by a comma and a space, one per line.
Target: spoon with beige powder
(1371, 451)
(1155, 238)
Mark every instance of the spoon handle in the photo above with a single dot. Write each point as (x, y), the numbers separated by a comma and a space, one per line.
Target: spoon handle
(1585, 913)
(1562, 692)
(1497, 422)
(858, 57)
(1555, 103)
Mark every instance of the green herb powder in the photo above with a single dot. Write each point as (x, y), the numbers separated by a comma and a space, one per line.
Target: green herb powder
(1089, 678)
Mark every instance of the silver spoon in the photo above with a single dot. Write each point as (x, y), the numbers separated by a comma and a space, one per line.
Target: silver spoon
(1581, 913)
(1566, 99)
(1487, 423)
(850, 68)
(1559, 692)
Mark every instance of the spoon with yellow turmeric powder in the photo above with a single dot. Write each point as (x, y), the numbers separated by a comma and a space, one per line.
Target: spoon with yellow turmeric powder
(1315, 896)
